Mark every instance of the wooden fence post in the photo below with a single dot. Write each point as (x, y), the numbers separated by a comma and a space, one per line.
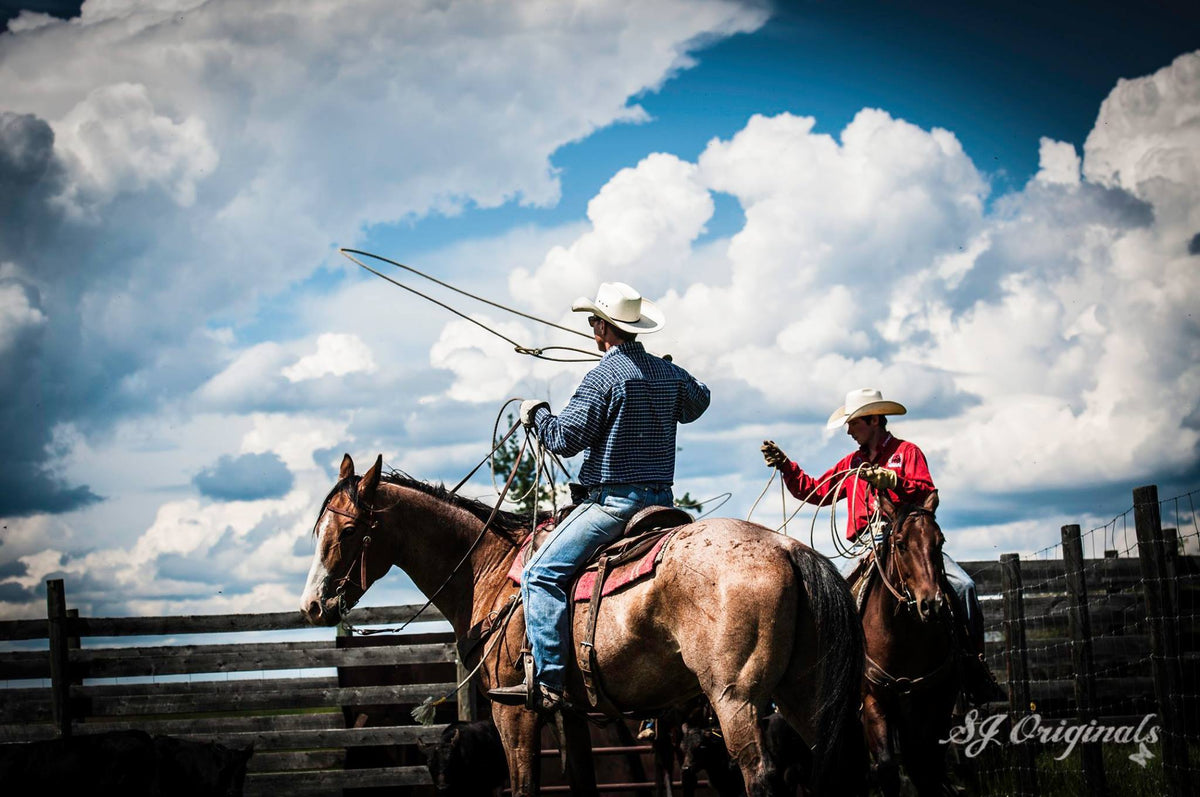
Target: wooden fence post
(468, 695)
(1164, 637)
(1082, 662)
(60, 666)
(1017, 664)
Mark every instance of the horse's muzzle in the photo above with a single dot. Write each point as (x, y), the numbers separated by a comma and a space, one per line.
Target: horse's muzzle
(318, 613)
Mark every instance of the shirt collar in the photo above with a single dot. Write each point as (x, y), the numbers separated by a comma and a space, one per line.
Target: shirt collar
(883, 447)
(627, 347)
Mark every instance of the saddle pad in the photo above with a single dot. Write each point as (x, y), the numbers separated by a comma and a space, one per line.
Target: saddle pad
(860, 579)
(618, 577)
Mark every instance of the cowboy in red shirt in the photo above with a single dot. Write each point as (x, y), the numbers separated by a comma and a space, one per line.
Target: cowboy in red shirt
(898, 469)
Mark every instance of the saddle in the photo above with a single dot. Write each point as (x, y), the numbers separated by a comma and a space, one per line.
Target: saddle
(627, 560)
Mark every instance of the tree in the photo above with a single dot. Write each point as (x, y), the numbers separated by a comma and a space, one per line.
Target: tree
(686, 501)
(521, 490)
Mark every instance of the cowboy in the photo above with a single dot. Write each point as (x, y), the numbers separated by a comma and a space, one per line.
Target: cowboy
(623, 415)
(898, 469)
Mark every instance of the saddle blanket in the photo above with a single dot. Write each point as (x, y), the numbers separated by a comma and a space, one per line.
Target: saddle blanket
(618, 577)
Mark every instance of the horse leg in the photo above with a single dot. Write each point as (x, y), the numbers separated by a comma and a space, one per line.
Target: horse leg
(879, 742)
(521, 734)
(739, 720)
(581, 772)
(924, 758)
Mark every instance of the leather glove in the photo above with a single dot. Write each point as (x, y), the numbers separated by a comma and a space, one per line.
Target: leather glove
(529, 408)
(773, 455)
(881, 477)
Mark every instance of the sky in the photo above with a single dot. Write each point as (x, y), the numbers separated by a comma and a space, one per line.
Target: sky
(988, 211)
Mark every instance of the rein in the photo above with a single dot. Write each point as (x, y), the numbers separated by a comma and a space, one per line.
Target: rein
(874, 672)
(362, 561)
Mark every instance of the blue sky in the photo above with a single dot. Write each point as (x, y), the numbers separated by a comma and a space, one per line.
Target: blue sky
(982, 209)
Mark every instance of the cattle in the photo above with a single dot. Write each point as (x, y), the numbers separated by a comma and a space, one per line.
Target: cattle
(130, 763)
(467, 760)
(701, 749)
(788, 758)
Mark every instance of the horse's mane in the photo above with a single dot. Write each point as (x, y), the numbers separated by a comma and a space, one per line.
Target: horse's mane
(509, 525)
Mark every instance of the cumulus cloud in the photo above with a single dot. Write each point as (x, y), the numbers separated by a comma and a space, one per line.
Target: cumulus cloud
(114, 140)
(1051, 335)
(166, 167)
(336, 355)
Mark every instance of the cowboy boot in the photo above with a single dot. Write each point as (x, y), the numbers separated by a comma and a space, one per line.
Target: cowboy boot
(538, 697)
(979, 683)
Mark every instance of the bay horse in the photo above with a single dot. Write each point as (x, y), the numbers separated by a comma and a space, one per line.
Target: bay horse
(912, 672)
(735, 611)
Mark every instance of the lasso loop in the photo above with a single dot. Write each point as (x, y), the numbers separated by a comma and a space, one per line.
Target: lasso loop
(586, 356)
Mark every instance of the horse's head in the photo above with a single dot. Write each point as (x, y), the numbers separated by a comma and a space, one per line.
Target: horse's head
(914, 554)
(345, 562)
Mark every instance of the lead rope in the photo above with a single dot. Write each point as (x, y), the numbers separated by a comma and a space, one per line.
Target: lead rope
(424, 713)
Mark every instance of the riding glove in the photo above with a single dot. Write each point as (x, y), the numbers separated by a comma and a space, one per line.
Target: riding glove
(881, 477)
(773, 455)
(529, 409)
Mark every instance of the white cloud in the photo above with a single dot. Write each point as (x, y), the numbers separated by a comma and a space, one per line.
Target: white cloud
(336, 355)
(115, 141)
(1058, 162)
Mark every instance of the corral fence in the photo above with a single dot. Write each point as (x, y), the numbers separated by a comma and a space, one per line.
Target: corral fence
(1098, 632)
(1097, 640)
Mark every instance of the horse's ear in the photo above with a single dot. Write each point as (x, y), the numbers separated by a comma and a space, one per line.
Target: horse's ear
(370, 480)
(886, 507)
(930, 503)
(347, 469)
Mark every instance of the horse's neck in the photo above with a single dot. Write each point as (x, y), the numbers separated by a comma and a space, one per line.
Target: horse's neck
(432, 537)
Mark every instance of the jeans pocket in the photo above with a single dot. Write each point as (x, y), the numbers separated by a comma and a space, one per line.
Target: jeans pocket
(620, 506)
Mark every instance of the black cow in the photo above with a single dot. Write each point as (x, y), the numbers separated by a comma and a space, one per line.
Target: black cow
(130, 763)
(701, 749)
(788, 758)
(468, 760)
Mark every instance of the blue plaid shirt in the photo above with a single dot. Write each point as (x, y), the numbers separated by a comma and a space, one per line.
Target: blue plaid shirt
(624, 413)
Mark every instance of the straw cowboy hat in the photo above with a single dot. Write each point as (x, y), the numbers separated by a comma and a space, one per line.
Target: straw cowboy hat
(863, 402)
(624, 308)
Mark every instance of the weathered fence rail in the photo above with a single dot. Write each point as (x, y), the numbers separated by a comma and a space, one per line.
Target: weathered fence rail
(236, 694)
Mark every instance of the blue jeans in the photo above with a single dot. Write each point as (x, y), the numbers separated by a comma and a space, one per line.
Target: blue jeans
(599, 520)
(968, 609)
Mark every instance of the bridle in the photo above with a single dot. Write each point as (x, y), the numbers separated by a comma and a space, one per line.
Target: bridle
(361, 564)
(876, 674)
(903, 595)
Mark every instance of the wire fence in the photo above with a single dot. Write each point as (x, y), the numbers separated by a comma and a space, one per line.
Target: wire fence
(1099, 644)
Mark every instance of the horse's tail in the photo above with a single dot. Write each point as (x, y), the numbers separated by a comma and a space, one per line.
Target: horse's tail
(840, 754)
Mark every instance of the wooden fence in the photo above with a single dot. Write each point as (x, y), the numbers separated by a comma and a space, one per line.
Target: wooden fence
(298, 722)
(1108, 638)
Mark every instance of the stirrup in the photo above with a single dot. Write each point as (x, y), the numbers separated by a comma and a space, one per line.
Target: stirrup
(510, 695)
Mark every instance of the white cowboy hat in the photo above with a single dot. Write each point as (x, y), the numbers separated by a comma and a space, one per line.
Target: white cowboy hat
(624, 308)
(863, 401)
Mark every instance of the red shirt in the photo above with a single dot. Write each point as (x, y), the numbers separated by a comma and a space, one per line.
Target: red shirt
(914, 485)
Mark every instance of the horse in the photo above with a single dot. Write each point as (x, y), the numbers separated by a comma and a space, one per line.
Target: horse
(912, 674)
(735, 611)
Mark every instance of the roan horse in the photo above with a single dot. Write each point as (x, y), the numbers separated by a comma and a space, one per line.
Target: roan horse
(735, 611)
(912, 668)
